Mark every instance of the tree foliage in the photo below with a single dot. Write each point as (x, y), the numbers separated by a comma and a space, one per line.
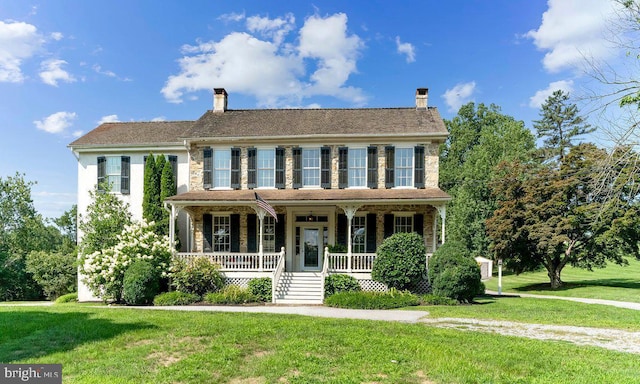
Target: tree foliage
(480, 137)
(559, 125)
(553, 216)
(167, 189)
(151, 210)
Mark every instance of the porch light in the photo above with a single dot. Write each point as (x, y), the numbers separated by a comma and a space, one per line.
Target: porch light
(311, 218)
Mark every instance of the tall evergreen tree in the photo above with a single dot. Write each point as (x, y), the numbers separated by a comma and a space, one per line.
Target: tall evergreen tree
(151, 191)
(559, 125)
(167, 189)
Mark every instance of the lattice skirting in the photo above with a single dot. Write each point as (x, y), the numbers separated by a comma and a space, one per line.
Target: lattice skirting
(376, 286)
(242, 282)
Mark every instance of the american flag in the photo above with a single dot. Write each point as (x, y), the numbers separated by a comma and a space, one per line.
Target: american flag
(266, 206)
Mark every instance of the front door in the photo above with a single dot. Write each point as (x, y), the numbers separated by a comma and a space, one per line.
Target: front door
(311, 245)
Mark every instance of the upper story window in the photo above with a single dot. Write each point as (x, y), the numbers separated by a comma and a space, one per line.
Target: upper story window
(311, 167)
(114, 171)
(266, 167)
(221, 168)
(357, 167)
(404, 167)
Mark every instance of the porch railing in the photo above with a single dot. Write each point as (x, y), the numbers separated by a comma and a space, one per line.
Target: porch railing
(232, 261)
(277, 272)
(358, 262)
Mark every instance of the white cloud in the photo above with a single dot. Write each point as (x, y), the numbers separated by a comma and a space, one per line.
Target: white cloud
(18, 41)
(56, 123)
(108, 119)
(159, 118)
(51, 72)
(275, 29)
(460, 94)
(573, 30)
(57, 36)
(98, 69)
(541, 96)
(77, 134)
(406, 49)
(269, 68)
(228, 17)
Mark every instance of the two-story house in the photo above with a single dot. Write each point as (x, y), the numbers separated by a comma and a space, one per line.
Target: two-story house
(348, 177)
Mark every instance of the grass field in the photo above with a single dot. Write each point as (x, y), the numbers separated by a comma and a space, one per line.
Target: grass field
(106, 345)
(611, 283)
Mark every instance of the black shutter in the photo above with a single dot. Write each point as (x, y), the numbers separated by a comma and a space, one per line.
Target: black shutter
(389, 171)
(251, 171)
(125, 171)
(280, 168)
(389, 224)
(343, 166)
(325, 167)
(252, 232)
(418, 224)
(418, 158)
(281, 231)
(102, 170)
(207, 168)
(235, 168)
(297, 167)
(341, 236)
(173, 160)
(372, 167)
(372, 227)
(235, 232)
(207, 228)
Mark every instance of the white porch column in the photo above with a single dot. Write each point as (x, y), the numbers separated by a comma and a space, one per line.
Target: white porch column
(442, 209)
(349, 211)
(172, 225)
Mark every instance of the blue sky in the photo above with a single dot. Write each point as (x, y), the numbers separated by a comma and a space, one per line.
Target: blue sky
(66, 66)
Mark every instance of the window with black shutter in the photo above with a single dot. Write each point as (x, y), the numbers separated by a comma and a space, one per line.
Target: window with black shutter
(325, 167)
(207, 168)
(343, 175)
(418, 178)
(418, 224)
(173, 160)
(297, 167)
(235, 232)
(252, 232)
(389, 225)
(372, 167)
(280, 169)
(207, 229)
(341, 227)
(235, 168)
(102, 171)
(389, 171)
(281, 231)
(372, 228)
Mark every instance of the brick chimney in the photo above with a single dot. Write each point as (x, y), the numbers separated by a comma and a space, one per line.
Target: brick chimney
(219, 100)
(422, 95)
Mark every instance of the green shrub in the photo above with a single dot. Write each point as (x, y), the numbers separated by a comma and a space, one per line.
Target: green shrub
(198, 277)
(437, 300)
(340, 283)
(261, 289)
(337, 248)
(141, 283)
(372, 300)
(55, 272)
(453, 274)
(231, 294)
(175, 298)
(400, 261)
(68, 298)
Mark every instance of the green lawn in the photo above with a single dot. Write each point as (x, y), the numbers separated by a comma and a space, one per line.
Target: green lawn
(611, 283)
(106, 345)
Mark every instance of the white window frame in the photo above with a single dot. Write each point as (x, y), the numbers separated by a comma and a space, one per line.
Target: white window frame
(403, 217)
(359, 243)
(262, 170)
(220, 221)
(268, 233)
(216, 171)
(314, 169)
(364, 168)
(406, 168)
(111, 177)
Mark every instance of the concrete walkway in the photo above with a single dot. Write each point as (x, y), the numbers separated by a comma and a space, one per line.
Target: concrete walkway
(613, 303)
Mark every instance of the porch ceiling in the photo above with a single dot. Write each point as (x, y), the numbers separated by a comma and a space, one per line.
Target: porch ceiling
(312, 196)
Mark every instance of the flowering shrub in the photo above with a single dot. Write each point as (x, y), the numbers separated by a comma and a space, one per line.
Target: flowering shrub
(104, 270)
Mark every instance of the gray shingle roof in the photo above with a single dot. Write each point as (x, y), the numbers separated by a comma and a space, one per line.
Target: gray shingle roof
(135, 133)
(301, 122)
